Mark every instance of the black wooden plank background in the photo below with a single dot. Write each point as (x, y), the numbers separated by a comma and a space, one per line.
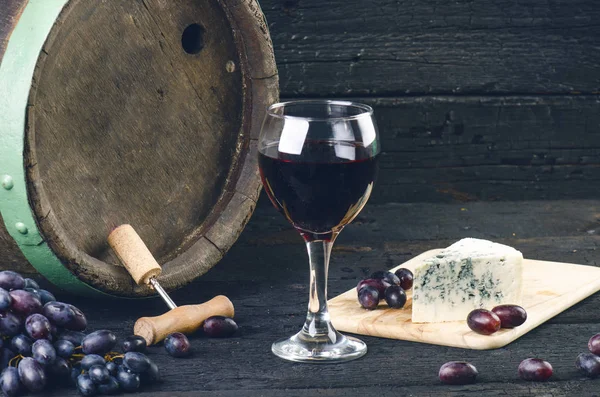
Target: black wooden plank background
(475, 100)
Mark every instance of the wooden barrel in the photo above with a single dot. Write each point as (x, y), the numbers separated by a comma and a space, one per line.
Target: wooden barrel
(129, 111)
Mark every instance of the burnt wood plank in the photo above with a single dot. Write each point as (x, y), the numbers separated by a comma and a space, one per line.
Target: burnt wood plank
(448, 148)
(382, 47)
(266, 278)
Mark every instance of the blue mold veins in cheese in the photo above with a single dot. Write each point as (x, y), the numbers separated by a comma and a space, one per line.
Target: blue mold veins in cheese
(470, 274)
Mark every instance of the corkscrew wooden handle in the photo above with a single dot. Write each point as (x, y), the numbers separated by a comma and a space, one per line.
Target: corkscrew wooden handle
(134, 254)
(185, 319)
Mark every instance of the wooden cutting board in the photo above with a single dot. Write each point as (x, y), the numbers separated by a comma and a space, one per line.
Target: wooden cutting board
(550, 288)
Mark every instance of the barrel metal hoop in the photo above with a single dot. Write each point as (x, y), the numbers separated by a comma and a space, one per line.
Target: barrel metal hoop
(16, 75)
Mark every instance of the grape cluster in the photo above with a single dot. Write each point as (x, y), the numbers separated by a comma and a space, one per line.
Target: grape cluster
(43, 345)
(384, 285)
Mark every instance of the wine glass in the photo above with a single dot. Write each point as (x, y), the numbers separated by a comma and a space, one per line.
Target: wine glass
(318, 163)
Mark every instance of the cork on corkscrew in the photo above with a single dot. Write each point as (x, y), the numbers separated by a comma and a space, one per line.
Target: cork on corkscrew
(143, 267)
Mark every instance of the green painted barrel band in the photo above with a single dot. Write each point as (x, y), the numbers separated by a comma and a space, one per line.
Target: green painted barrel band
(16, 74)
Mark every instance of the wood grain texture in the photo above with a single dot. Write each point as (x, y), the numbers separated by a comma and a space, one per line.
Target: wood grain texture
(548, 289)
(381, 47)
(10, 12)
(444, 148)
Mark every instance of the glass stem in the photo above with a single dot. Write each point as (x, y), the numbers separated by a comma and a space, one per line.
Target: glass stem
(318, 324)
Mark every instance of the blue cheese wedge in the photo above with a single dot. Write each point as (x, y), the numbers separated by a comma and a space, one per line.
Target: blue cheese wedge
(470, 274)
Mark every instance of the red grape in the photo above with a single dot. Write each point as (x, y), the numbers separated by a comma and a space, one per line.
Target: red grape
(594, 344)
(395, 297)
(378, 283)
(535, 369)
(483, 321)
(386, 276)
(510, 315)
(219, 327)
(178, 345)
(368, 297)
(458, 373)
(406, 278)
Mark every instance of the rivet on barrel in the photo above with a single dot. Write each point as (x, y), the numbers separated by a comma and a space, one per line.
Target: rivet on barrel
(7, 182)
(230, 66)
(21, 228)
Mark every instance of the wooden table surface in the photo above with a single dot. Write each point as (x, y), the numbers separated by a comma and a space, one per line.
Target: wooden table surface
(266, 276)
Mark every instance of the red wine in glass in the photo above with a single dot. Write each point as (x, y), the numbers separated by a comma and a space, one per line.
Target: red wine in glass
(318, 163)
(317, 191)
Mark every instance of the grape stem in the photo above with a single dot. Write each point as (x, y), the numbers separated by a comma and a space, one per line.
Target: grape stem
(18, 357)
(111, 356)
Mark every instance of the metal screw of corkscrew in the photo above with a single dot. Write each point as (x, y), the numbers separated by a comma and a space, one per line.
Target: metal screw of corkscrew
(163, 294)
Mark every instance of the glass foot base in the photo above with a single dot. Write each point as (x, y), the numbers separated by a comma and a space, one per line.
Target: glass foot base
(305, 349)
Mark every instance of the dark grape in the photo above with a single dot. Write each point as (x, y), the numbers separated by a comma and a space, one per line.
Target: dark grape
(85, 385)
(406, 278)
(377, 283)
(43, 352)
(483, 321)
(25, 303)
(59, 371)
(31, 283)
(588, 364)
(75, 337)
(21, 344)
(46, 296)
(219, 327)
(64, 348)
(6, 355)
(535, 369)
(510, 315)
(386, 276)
(35, 292)
(134, 343)
(128, 381)
(10, 382)
(152, 375)
(458, 373)
(368, 297)
(98, 342)
(10, 324)
(65, 315)
(177, 345)
(136, 362)
(99, 374)
(38, 327)
(32, 375)
(112, 368)
(75, 372)
(110, 387)
(395, 297)
(79, 322)
(5, 300)
(91, 359)
(10, 280)
(594, 344)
